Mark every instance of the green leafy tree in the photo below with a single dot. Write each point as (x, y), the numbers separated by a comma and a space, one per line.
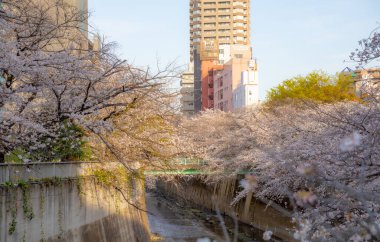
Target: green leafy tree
(317, 86)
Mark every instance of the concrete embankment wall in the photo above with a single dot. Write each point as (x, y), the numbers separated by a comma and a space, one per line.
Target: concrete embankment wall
(248, 210)
(67, 208)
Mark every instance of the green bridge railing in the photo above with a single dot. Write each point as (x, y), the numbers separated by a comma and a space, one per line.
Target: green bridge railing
(190, 172)
(189, 166)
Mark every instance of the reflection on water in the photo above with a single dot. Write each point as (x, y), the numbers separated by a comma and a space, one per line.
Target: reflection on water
(175, 222)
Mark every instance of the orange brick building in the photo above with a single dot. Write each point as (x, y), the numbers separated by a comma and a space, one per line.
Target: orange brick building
(209, 69)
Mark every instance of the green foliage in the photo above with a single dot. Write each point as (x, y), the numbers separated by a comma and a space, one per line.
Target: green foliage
(13, 203)
(9, 184)
(69, 145)
(51, 181)
(17, 156)
(116, 177)
(13, 224)
(316, 86)
(105, 177)
(111, 177)
(41, 215)
(28, 211)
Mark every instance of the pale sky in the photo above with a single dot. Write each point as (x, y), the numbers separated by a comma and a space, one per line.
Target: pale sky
(289, 37)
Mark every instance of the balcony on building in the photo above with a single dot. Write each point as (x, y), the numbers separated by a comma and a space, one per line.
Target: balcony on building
(186, 99)
(240, 33)
(209, 18)
(211, 82)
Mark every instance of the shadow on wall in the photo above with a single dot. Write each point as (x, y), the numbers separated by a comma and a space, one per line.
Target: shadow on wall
(111, 228)
(78, 210)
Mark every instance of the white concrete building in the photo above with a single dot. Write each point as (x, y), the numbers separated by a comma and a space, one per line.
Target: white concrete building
(187, 91)
(227, 52)
(247, 93)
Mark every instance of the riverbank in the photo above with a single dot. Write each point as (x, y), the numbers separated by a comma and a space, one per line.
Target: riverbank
(178, 221)
(248, 211)
(169, 222)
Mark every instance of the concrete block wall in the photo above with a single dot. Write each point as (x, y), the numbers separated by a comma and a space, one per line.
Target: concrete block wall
(71, 211)
(16, 172)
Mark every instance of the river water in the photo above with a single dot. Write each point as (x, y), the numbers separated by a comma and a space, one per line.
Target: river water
(171, 221)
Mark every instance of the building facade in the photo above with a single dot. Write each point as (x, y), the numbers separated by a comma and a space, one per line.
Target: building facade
(218, 22)
(187, 92)
(209, 70)
(367, 80)
(237, 59)
(247, 93)
(197, 80)
(220, 50)
(74, 36)
(81, 5)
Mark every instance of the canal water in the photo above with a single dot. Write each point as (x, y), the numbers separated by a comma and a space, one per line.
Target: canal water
(172, 221)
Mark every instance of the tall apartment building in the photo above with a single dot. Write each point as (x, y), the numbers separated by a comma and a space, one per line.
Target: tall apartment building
(218, 22)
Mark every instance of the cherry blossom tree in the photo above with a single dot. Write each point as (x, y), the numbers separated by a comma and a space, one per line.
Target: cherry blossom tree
(320, 161)
(369, 49)
(59, 86)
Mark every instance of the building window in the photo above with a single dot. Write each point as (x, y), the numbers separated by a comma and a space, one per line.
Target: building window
(238, 56)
